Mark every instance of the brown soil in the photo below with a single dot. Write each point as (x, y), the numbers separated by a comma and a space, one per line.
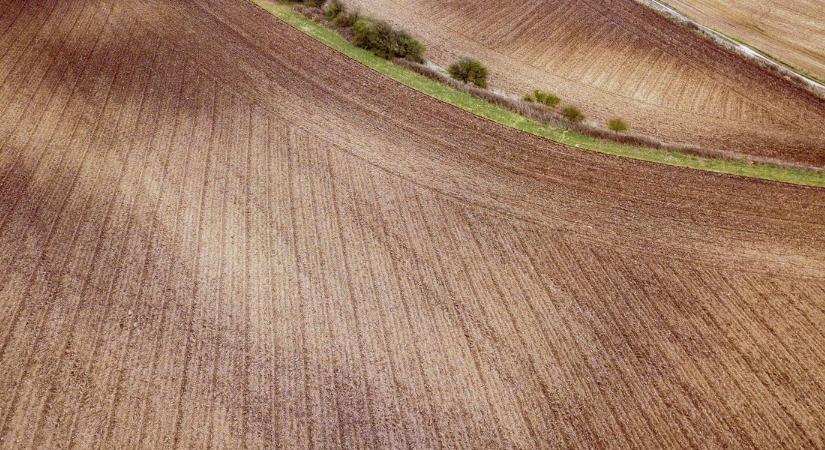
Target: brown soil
(791, 30)
(216, 231)
(619, 58)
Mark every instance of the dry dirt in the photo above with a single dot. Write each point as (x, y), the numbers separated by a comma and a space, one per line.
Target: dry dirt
(790, 30)
(215, 231)
(621, 59)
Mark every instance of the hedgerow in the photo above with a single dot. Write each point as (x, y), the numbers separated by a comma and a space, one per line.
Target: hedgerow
(382, 39)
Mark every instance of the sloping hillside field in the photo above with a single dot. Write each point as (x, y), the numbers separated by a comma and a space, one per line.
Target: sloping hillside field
(621, 59)
(215, 231)
(791, 30)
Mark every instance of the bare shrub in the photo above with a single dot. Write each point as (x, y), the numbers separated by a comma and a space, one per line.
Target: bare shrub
(572, 114)
(314, 13)
(346, 19)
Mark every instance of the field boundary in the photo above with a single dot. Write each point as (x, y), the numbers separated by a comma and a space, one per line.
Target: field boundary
(502, 116)
(785, 70)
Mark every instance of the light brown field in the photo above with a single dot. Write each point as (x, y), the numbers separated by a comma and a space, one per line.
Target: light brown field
(790, 30)
(216, 231)
(619, 58)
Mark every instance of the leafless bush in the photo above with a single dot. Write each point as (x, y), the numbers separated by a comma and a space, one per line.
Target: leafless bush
(314, 13)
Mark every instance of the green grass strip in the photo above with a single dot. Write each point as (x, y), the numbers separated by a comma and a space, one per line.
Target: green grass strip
(497, 114)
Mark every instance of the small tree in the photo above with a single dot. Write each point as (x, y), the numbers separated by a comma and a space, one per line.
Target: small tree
(572, 114)
(469, 70)
(618, 125)
(408, 47)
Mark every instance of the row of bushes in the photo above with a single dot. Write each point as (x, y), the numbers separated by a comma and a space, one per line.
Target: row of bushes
(384, 40)
(542, 114)
(571, 113)
(370, 34)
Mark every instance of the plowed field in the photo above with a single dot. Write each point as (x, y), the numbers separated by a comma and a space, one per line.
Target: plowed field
(216, 231)
(791, 30)
(619, 58)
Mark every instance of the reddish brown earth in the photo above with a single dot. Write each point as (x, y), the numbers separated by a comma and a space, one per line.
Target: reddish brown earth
(618, 58)
(791, 30)
(216, 231)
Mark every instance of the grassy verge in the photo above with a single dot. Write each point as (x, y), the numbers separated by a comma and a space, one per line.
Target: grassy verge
(505, 117)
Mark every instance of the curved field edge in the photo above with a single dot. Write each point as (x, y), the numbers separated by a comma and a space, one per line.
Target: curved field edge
(489, 111)
(735, 44)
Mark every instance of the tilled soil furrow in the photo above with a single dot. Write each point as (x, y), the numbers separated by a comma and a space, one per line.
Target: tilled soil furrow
(217, 232)
(124, 217)
(48, 206)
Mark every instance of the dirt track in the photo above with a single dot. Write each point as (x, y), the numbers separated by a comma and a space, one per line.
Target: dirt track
(791, 30)
(214, 230)
(619, 58)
